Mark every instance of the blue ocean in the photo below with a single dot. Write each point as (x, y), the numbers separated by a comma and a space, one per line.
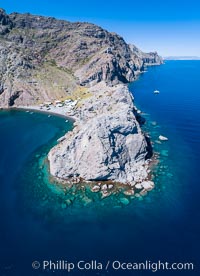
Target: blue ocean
(37, 225)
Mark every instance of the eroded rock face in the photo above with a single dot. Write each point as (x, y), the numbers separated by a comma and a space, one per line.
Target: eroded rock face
(5, 23)
(46, 59)
(151, 58)
(106, 146)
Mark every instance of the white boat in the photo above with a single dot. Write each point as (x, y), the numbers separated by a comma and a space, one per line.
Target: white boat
(156, 91)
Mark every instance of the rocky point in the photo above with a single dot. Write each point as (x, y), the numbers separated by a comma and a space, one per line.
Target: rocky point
(45, 59)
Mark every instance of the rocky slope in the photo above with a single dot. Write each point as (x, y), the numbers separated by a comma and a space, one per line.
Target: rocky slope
(42, 59)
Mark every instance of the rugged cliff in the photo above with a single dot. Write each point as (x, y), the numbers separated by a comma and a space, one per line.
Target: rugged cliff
(148, 59)
(42, 58)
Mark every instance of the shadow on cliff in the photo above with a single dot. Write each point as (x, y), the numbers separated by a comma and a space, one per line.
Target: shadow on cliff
(149, 148)
(141, 120)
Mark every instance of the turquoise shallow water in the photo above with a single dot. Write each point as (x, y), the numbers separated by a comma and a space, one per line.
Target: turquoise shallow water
(36, 223)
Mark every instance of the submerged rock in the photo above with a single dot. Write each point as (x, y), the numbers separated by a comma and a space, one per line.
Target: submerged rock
(63, 205)
(164, 153)
(124, 200)
(169, 174)
(143, 192)
(105, 194)
(86, 200)
(68, 202)
(129, 192)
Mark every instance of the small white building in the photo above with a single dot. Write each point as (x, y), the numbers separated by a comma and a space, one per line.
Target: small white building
(47, 103)
(73, 103)
(59, 105)
(68, 101)
(58, 102)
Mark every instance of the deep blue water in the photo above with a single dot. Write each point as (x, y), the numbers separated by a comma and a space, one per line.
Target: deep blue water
(164, 225)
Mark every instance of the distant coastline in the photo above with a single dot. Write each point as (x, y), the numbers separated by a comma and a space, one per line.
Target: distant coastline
(181, 58)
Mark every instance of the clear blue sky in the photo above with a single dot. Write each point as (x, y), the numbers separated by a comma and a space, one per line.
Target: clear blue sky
(172, 27)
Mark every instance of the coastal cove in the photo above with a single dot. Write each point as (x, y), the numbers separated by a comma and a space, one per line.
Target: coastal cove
(106, 143)
(37, 224)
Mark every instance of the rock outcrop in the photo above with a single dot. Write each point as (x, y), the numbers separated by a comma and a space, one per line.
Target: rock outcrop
(107, 143)
(42, 58)
(5, 23)
(151, 58)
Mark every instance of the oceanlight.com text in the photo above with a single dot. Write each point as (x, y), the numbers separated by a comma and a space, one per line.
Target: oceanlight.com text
(116, 265)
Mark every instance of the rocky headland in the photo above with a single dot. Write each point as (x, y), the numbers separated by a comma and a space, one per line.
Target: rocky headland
(45, 59)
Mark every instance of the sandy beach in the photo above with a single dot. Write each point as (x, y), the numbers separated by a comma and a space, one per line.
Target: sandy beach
(54, 110)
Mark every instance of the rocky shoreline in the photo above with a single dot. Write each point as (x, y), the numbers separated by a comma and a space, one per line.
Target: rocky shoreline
(43, 59)
(103, 103)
